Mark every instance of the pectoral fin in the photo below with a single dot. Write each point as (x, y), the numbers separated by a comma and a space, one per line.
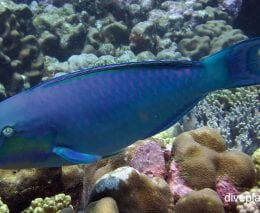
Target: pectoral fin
(74, 156)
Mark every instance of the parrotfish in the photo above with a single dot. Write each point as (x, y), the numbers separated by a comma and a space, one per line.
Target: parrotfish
(83, 116)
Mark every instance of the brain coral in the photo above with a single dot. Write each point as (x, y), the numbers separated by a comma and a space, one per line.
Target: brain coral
(203, 201)
(237, 166)
(20, 56)
(208, 38)
(201, 165)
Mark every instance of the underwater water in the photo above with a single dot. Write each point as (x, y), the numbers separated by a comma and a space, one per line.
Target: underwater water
(209, 154)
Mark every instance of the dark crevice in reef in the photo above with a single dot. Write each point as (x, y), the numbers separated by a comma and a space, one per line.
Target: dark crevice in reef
(248, 19)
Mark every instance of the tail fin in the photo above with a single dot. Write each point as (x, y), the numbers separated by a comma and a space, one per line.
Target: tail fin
(241, 63)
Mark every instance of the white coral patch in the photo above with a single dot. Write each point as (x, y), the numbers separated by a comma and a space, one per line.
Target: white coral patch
(112, 179)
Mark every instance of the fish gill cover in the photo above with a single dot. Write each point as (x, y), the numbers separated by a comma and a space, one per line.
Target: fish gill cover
(46, 38)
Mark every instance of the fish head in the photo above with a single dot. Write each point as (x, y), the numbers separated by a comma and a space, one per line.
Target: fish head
(24, 141)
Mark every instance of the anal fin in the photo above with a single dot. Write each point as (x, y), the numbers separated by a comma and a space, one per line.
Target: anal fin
(74, 156)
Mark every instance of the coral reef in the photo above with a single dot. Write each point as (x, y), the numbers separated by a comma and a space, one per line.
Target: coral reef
(49, 204)
(198, 160)
(62, 31)
(20, 55)
(18, 188)
(234, 112)
(207, 199)
(209, 38)
(157, 177)
(62, 36)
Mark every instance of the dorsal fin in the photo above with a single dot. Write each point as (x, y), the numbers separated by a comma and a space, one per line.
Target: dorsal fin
(77, 73)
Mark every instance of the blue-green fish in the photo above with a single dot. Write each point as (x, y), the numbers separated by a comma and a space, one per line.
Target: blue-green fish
(85, 115)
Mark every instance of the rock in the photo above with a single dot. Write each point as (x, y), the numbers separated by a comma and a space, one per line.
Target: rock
(128, 56)
(106, 49)
(142, 37)
(116, 33)
(147, 194)
(104, 205)
(145, 56)
(63, 31)
(105, 60)
(168, 54)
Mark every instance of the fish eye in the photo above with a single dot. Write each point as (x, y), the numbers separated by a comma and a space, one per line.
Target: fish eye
(7, 131)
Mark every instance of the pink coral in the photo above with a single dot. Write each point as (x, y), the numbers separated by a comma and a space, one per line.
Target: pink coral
(176, 184)
(227, 192)
(148, 158)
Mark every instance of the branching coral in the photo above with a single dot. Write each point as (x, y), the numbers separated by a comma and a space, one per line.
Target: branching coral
(234, 112)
